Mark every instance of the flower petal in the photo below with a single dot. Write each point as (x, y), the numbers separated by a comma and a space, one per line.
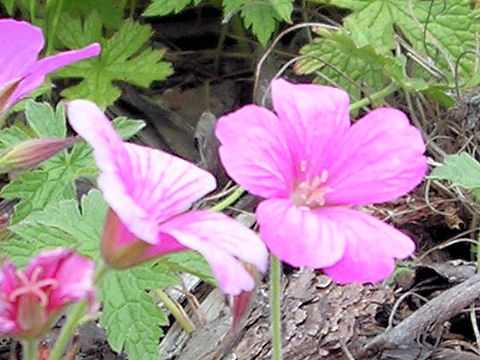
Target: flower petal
(221, 240)
(253, 151)
(75, 279)
(371, 248)
(300, 237)
(313, 119)
(36, 72)
(380, 159)
(21, 44)
(143, 186)
(157, 187)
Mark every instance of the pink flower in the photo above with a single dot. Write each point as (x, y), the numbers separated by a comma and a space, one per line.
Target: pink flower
(20, 71)
(148, 191)
(311, 165)
(32, 299)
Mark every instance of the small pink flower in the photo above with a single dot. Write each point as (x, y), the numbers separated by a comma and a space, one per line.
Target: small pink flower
(32, 299)
(148, 192)
(311, 165)
(20, 70)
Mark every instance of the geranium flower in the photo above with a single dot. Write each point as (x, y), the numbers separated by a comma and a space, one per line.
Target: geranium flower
(148, 192)
(311, 165)
(20, 70)
(32, 299)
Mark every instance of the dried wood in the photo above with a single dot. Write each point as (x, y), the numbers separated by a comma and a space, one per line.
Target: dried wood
(428, 318)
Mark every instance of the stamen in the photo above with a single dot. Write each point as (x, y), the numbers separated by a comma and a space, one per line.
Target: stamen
(33, 286)
(311, 194)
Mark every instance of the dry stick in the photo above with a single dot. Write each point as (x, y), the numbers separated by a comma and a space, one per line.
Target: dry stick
(435, 312)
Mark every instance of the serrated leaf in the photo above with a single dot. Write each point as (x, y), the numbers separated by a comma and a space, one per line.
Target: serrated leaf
(357, 69)
(283, 8)
(450, 31)
(165, 7)
(109, 11)
(126, 128)
(60, 225)
(260, 18)
(125, 302)
(13, 135)
(122, 58)
(45, 121)
(462, 170)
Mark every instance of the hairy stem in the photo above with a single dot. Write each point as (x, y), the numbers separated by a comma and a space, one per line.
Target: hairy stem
(275, 302)
(74, 315)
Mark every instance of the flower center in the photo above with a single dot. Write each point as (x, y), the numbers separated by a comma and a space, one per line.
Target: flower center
(310, 194)
(33, 286)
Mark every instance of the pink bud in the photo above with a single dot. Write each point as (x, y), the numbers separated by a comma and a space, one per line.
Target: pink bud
(29, 153)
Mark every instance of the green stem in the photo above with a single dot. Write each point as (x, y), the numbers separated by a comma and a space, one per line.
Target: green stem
(478, 253)
(390, 89)
(29, 349)
(54, 7)
(239, 30)
(275, 302)
(176, 310)
(74, 315)
(31, 10)
(229, 200)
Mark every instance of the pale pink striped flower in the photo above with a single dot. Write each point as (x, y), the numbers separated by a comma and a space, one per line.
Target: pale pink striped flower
(149, 192)
(311, 166)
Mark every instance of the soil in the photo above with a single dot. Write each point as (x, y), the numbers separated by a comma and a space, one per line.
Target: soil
(397, 319)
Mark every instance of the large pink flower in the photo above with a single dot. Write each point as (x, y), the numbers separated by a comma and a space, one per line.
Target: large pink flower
(20, 71)
(311, 164)
(148, 191)
(31, 300)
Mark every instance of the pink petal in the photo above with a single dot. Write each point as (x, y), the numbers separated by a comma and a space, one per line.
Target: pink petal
(21, 44)
(37, 71)
(371, 248)
(159, 186)
(8, 279)
(75, 279)
(313, 118)
(380, 159)
(254, 152)
(221, 240)
(143, 186)
(91, 124)
(300, 237)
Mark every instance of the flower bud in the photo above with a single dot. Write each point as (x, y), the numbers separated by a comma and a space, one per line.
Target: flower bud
(29, 153)
(120, 248)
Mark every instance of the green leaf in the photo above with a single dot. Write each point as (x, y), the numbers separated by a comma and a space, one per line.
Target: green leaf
(13, 135)
(450, 31)
(109, 11)
(127, 127)
(260, 16)
(373, 24)
(165, 7)
(60, 225)
(46, 122)
(462, 170)
(190, 262)
(123, 57)
(130, 316)
(261, 19)
(343, 63)
(283, 8)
